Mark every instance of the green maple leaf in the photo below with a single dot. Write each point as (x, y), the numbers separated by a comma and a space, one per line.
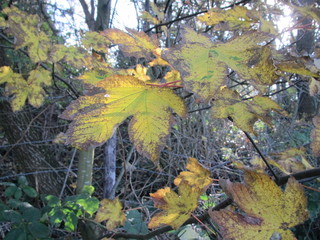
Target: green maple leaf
(32, 89)
(96, 117)
(204, 65)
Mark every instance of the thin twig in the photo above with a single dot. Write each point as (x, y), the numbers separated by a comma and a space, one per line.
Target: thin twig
(67, 174)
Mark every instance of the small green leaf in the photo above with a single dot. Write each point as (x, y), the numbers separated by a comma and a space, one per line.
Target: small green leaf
(30, 191)
(31, 214)
(16, 234)
(13, 216)
(56, 215)
(90, 205)
(53, 201)
(10, 191)
(87, 190)
(22, 181)
(71, 222)
(38, 230)
(18, 194)
(204, 197)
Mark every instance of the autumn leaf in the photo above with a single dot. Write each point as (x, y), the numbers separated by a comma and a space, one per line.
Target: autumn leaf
(133, 43)
(172, 76)
(267, 210)
(243, 113)
(146, 16)
(203, 65)
(291, 160)
(77, 57)
(303, 66)
(314, 87)
(140, 72)
(93, 40)
(96, 117)
(32, 89)
(315, 136)
(111, 211)
(25, 28)
(233, 19)
(176, 207)
(197, 176)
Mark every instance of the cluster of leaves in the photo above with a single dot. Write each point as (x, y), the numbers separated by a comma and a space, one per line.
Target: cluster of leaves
(26, 220)
(29, 222)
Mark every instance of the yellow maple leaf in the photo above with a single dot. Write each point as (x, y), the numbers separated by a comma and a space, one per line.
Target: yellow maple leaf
(95, 41)
(243, 113)
(25, 28)
(96, 117)
(176, 207)
(146, 16)
(233, 19)
(172, 76)
(291, 160)
(203, 65)
(111, 210)
(77, 57)
(140, 72)
(268, 211)
(32, 89)
(303, 66)
(133, 43)
(197, 176)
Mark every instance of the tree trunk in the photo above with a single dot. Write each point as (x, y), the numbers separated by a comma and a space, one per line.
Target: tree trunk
(307, 105)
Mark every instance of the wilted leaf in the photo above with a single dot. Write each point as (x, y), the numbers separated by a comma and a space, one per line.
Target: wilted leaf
(243, 113)
(233, 19)
(32, 89)
(291, 160)
(176, 207)
(267, 210)
(111, 210)
(96, 117)
(315, 136)
(203, 65)
(197, 176)
(314, 87)
(303, 66)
